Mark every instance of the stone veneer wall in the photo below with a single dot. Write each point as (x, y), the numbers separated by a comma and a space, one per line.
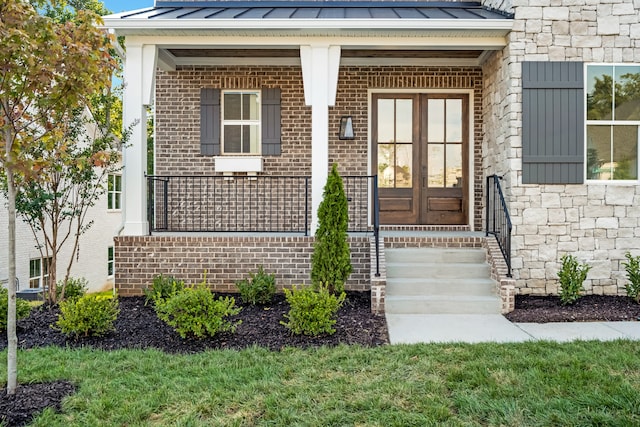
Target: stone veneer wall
(226, 260)
(596, 222)
(178, 115)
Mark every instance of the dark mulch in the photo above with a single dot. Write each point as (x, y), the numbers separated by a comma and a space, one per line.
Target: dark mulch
(543, 309)
(138, 327)
(31, 399)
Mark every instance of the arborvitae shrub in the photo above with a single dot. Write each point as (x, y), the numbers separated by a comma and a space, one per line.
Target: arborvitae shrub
(312, 311)
(260, 288)
(331, 259)
(89, 315)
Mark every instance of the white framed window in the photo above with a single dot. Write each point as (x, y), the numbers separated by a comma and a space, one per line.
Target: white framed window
(39, 272)
(110, 261)
(241, 133)
(612, 104)
(114, 192)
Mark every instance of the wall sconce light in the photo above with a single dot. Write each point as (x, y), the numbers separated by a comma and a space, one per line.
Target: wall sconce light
(346, 128)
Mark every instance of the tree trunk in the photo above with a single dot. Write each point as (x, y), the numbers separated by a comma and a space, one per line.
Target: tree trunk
(12, 338)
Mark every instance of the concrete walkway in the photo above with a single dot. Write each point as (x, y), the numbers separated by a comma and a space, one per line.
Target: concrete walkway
(477, 328)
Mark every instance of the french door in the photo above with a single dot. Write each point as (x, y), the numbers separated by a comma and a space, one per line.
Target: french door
(420, 153)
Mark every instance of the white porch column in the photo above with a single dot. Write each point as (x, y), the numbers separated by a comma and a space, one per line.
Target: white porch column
(139, 78)
(320, 64)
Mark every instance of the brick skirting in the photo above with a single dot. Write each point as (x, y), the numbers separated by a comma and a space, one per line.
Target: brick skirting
(226, 260)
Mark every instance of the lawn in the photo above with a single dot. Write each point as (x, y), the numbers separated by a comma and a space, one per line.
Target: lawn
(545, 384)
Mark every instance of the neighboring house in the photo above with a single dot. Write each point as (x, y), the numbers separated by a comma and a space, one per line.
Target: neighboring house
(438, 95)
(94, 259)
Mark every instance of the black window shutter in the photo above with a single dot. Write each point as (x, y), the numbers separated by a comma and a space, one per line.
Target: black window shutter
(210, 122)
(552, 123)
(271, 122)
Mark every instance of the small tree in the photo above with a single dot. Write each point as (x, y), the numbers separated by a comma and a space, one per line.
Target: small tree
(49, 71)
(331, 259)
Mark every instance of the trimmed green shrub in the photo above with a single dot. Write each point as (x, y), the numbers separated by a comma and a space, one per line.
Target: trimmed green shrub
(162, 288)
(260, 288)
(331, 259)
(75, 288)
(89, 315)
(312, 311)
(194, 311)
(572, 275)
(22, 308)
(632, 267)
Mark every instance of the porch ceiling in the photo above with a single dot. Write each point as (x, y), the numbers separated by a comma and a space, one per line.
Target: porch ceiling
(291, 56)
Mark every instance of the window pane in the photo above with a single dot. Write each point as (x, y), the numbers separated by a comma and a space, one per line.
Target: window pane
(254, 139)
(110, 261)
(110, 182)
(599, 152)
(232, 139)
(386, 165)
(404, 120)
(625, 152)
(599, 92)
(404, 157)
(117, 197)
(250, 106)
(627, 95)
(232, 106)
(385, 120)
(34, 268)
(454, 120)
(435, 122)
(118, 182)
(246, 144)
(454, 165)
(110, 201)
(436, 165)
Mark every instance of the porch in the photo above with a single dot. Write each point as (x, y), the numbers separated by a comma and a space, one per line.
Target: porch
(192, 238)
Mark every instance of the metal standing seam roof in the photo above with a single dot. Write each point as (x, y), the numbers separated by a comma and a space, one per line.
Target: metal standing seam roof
(314, 10)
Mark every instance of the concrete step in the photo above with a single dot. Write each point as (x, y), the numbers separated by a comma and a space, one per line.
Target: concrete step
(435, 255)
(483, 286)
(441, 270)
(442, 304)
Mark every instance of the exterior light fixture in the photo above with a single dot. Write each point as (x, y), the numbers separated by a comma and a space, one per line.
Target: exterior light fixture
(346, 128)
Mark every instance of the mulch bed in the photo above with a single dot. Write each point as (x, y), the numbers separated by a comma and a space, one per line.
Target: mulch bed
(138, 327)
(544, 309)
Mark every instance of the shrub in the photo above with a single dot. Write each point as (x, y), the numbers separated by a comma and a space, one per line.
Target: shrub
(195, 311)
(632, 267)
(89, 315)
(259, 288)
(75, 288)
(162, 288)
(312, 311)
(331, 259)
(22, 308)
(572, 275)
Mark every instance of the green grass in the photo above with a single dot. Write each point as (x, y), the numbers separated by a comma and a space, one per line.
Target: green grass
(529, 384)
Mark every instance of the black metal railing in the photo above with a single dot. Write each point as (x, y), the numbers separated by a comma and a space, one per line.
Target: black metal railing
(498, 221)
(249, 203)
(229, 204)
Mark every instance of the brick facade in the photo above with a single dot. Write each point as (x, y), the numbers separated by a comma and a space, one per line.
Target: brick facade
(226, 260)
(178, 115)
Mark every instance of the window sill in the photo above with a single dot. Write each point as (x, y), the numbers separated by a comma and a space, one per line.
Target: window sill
(230, 164)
